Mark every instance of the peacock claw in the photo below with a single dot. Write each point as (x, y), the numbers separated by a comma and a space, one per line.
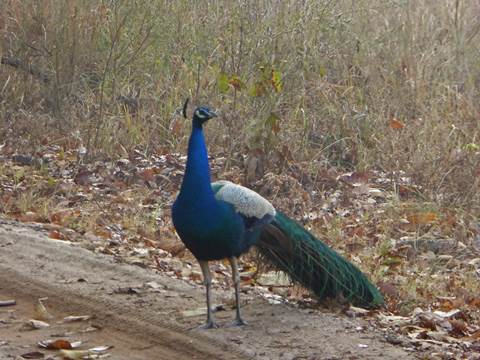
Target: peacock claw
(209, 325)
(239, 322)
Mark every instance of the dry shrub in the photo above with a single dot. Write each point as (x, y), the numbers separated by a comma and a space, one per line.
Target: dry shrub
(333, 74)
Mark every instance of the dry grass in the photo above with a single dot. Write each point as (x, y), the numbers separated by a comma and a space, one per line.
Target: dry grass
(118, 71)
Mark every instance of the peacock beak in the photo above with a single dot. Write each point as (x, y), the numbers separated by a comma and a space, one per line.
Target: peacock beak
(213, 114)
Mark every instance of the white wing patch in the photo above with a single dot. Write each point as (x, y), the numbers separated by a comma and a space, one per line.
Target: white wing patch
(244, 200)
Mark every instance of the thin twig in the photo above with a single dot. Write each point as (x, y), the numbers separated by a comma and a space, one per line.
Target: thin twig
(198, 81)
(7, 302)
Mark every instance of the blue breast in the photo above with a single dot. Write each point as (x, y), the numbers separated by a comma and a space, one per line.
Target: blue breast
(209, 228)
(216, 232)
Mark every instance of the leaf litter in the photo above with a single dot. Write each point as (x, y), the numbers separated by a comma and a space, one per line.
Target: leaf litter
(424, 258)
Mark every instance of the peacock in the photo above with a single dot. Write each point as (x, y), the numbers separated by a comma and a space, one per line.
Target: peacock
(222, 220)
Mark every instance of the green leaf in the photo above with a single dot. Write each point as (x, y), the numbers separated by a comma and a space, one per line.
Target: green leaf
(51, 182)
(392, 261)
(322, 71)
(276, 81)
(471, 147)
(223, 82)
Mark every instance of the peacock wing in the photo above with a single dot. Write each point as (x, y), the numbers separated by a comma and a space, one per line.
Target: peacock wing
(255, 209)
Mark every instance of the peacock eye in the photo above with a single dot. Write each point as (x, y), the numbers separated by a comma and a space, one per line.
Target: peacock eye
(200, 114)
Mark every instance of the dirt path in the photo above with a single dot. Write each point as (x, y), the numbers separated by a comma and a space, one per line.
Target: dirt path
(141, 314)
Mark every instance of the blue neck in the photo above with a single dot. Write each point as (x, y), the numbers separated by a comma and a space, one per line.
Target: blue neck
(196, 188)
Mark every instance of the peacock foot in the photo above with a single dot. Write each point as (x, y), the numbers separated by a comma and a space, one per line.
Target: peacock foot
(209, 325)
(239, 322)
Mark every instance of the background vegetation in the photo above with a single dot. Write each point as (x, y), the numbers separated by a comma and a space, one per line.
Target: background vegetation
(384, 85)
(359, 117)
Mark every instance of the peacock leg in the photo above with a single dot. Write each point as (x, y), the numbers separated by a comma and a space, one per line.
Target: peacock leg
(236, 280)
(207, 280)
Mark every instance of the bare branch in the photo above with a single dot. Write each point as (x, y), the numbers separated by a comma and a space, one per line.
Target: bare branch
(30, 68)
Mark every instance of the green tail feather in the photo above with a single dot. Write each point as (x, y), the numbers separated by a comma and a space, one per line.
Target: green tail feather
(307, 260)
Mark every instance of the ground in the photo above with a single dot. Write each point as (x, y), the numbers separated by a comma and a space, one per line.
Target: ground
(141, 314)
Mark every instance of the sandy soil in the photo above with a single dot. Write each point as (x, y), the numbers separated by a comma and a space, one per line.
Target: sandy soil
(142, 314)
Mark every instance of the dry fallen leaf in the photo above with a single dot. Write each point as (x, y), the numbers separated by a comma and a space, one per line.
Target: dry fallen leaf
(88, 330)
(74, 354)
(103, 233)
(459, 327)
(37, 324)
(176, 127)
(33, 355)
(422, 218)
(154, 285)
(396, 124)
(57, 235)
(448, 315)
(58, 344)
(73, 318)
(148, 174)
(195, 312)
(99, 349)
(40, 311)
(354, 311)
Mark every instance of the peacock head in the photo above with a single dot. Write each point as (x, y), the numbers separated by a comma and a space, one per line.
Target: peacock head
(202, 114)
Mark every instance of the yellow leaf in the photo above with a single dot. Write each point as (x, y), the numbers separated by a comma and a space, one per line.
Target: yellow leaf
(422, 218)
(276, 81)
(40, 311)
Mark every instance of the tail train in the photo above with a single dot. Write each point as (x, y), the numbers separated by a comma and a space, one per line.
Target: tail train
(289, 247)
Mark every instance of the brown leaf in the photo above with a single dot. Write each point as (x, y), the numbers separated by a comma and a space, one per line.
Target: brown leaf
(355, 177)
(236, 82)
(388, 288)
(57, 217)
(474, 302)
(83, 177)
(56, 344)
(258, 89)
(62, 217)
(103, 233)
(60, 344)
(459, 328)
(448, 304)
(57, 235)
(149, 243)
(176, 127)
(396, 124)
(427, 321)
(148, 174)
(30, 216)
